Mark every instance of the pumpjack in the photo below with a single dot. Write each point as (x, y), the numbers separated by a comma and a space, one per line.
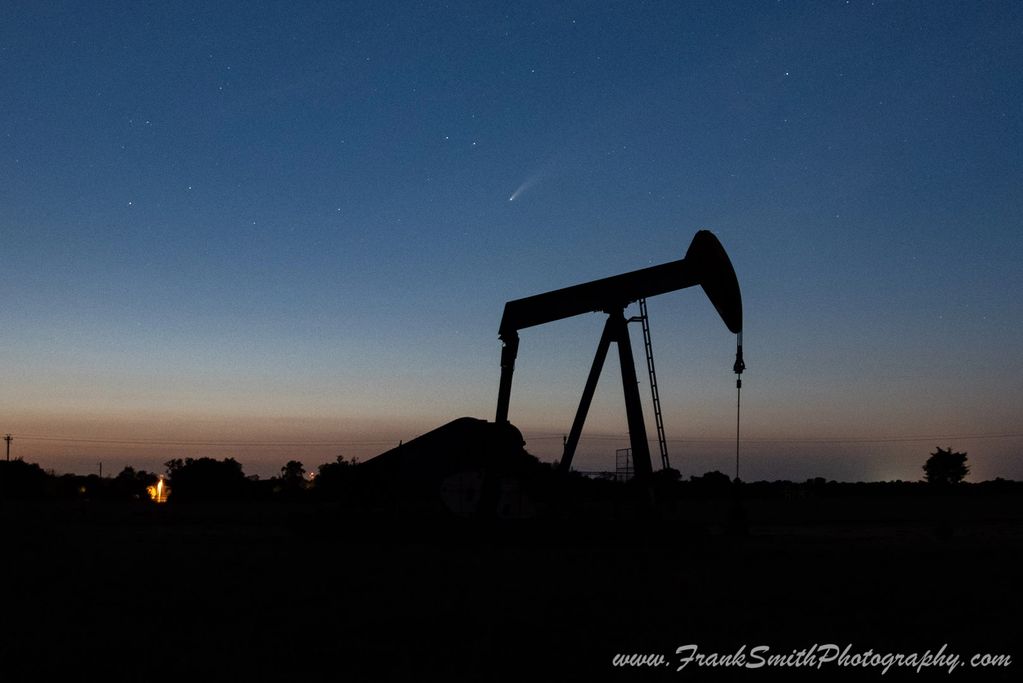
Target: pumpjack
(477, 468)
(705, 264)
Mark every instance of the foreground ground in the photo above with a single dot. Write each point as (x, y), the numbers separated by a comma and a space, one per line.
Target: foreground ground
(307, 592)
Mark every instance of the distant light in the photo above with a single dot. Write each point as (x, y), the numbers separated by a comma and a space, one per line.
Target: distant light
(158, 493)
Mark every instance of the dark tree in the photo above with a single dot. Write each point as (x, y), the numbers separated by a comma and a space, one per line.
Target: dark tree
(206, 479)
(292, 483)
(945, 467)
(293, 472)
(667, 475)
(22, 480)
(714, 481)
(131, 484)
(335, 480)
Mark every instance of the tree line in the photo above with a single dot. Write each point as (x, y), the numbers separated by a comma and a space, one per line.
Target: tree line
(344, 480)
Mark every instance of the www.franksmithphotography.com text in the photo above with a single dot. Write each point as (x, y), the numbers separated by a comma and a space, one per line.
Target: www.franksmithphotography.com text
(823, 657)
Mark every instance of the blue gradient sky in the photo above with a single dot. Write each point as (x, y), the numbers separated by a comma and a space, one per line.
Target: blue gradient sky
(271, 231)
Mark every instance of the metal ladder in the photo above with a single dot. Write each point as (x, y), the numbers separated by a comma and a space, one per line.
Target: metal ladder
(658, 419)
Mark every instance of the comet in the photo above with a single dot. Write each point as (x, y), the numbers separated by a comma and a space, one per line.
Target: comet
(528, 183)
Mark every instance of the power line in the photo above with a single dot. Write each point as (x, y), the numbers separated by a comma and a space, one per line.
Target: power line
(540, 436)
(167, 442)
(806, 440)
(859, 440)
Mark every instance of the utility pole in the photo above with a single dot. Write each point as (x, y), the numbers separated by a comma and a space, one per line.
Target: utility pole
(8, 439)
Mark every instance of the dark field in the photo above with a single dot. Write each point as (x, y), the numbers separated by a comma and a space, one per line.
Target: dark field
(312, 592)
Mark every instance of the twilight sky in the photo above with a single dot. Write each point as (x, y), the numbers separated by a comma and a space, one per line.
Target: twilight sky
(277, 230)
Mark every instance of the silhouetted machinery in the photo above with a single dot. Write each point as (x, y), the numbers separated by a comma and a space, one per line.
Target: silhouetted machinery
(705, 264)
